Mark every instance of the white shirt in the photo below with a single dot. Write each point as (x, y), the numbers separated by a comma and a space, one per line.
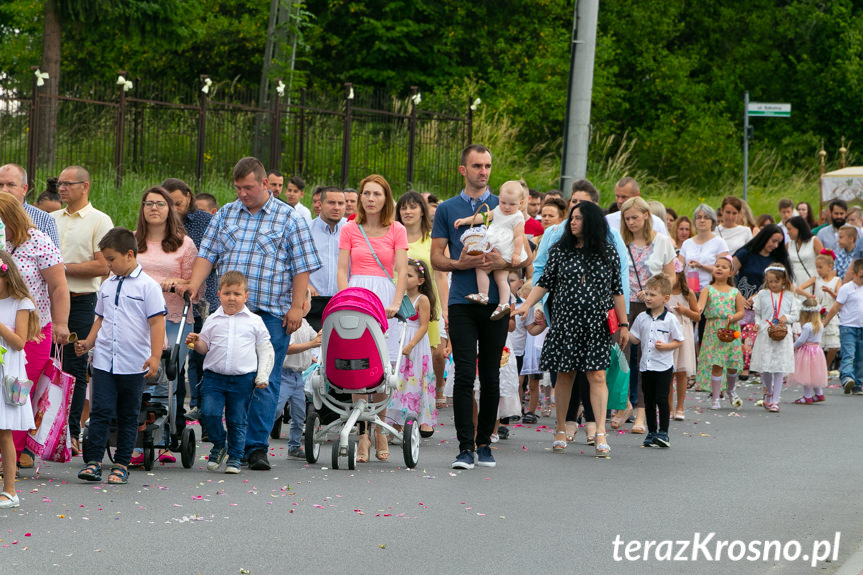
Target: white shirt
(705, 254)
(613, 220)
(300, 361)
(850, 296)
(303, 211)
(735, 238)
(649, 330)
(126, 304)
(231, 341)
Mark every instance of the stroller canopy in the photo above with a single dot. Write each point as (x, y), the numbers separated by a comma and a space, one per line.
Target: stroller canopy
(358, 299)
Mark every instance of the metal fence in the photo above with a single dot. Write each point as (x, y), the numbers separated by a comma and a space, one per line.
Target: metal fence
(185, 132)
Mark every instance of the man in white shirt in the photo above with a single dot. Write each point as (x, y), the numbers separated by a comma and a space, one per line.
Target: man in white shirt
(294, 194)
(325, 230)
(624, 189)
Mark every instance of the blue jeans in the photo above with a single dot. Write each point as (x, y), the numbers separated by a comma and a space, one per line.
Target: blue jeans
(232, 394)
(851, 349)
(113, 395)
(292, 391)
(263, 402)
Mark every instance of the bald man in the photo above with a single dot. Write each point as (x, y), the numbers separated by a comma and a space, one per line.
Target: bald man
(13, 180)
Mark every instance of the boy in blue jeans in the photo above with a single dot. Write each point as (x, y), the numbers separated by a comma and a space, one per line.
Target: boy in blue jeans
(239, 358)
(297, 360)
(127, 336)
(849, 308)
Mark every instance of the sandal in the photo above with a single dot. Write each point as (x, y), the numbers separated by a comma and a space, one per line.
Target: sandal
(479, 298)
(559, 445)
(621, 416)
(382, 451)
(76, 448)
(363, 446)
(571, 430)
(440, 402)
(500, 311)
(773, 408)
(603, 451)
(679, 416)
(119, 475)
(91, 472)
(529, 418)
(804, 400)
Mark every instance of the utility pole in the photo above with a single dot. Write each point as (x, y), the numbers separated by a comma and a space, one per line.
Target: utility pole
(576, 132)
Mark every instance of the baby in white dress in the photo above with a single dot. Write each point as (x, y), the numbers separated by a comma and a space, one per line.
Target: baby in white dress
(506, 234)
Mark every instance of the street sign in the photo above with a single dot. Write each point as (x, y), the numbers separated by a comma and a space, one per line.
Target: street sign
(769, 109)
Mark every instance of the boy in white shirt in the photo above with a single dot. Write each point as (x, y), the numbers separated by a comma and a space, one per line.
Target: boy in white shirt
(659, 333)
(239, 359)
(849, 308)
(297, 360)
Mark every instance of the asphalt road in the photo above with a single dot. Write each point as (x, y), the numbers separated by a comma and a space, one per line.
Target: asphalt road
(746, 475)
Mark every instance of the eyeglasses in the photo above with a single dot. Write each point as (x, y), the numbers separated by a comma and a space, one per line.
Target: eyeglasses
(67, 184)
(157, 204)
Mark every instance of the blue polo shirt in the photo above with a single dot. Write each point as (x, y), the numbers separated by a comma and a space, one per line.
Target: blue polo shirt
(461, 206)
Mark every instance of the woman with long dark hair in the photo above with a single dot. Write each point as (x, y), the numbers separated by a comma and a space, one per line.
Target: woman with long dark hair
(750, 261)
(802, 249)
(582, 275)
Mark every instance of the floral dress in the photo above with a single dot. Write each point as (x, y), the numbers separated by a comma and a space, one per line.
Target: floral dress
(713, 351)
(416, 391)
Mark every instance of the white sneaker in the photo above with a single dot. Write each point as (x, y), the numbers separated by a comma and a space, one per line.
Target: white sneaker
(495, 438)
(9, 501)
(716, 404)
(735, 399)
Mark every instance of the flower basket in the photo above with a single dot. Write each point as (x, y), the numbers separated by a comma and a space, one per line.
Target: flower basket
(474, 239)
(727, 334)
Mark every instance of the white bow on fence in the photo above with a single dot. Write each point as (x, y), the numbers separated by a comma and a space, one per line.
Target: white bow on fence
(416, 99)
(280, 88)
(475, 104)
(41, 77)
(207, 84)
(127, 84)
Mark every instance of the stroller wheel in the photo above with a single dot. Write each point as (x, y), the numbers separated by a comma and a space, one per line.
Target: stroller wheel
(335, 462)
(149, 457)
(313, 448)
(187, 447)
(411, 442)
(352, 454)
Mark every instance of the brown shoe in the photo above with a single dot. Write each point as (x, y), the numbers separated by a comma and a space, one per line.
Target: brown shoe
(76, 449)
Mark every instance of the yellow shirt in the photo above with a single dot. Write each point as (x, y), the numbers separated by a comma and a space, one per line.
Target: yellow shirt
(80, 234)
(421, 250)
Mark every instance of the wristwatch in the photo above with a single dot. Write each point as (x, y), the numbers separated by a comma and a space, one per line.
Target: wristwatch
(624, 324)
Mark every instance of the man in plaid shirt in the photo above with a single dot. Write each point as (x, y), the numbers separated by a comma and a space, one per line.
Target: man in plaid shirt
(269, 243)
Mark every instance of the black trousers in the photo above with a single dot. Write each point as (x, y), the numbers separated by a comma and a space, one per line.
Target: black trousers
(580, 394)
(316, 312)
(477, 344)
(656, 385)
(81, 318)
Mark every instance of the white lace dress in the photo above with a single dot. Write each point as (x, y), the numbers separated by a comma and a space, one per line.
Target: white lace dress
(501, 233)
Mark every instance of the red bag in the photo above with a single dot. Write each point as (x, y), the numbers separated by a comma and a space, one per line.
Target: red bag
(51, 402)
(613, 324)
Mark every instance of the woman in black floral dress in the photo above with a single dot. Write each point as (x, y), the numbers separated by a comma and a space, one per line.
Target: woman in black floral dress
(583, 277)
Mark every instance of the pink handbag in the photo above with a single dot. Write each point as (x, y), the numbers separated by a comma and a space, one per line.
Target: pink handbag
(51, 401)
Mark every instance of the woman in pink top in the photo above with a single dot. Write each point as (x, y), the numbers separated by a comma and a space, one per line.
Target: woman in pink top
(41, 267)
(389, 239)
(165, 251)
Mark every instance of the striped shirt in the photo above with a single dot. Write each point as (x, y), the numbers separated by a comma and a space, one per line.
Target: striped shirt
(43, 222)
(269, 247)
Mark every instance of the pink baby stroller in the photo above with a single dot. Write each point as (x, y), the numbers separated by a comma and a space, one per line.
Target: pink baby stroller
(355, 359)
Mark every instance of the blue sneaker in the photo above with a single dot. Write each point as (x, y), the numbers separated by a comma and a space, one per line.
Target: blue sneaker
(648, 440)
(660, 439)
(217, 457)
(484, 458)
(463, 460)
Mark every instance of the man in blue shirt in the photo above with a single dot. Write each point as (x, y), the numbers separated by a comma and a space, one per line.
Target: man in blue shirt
(325, 231)
(477, 340)
(13, 179)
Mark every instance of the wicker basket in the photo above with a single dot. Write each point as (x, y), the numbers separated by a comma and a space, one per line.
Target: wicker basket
(777, 331)
(474, 239)
(727, 334)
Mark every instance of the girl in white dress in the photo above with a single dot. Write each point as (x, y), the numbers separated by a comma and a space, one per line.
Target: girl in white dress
(823, 288)
(506, 234)
(19, 323)
(774, 359)
(685, 306)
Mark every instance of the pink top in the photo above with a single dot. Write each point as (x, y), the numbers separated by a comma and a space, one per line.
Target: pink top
(31, 257)
(362, 261)
(160, 265)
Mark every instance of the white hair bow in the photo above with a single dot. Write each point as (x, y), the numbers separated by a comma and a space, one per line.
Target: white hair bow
(41, 77)
(207, 84)
(127, 84)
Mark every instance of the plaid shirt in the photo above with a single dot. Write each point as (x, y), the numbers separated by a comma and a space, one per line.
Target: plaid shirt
(843, 261)
(269, 247)
(43, 222)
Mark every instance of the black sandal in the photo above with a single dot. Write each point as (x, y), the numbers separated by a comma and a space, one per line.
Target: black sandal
(91, 472)
(529, 418)
(119, 472)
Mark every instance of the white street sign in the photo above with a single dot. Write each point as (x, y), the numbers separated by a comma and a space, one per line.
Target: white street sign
(771, 109)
